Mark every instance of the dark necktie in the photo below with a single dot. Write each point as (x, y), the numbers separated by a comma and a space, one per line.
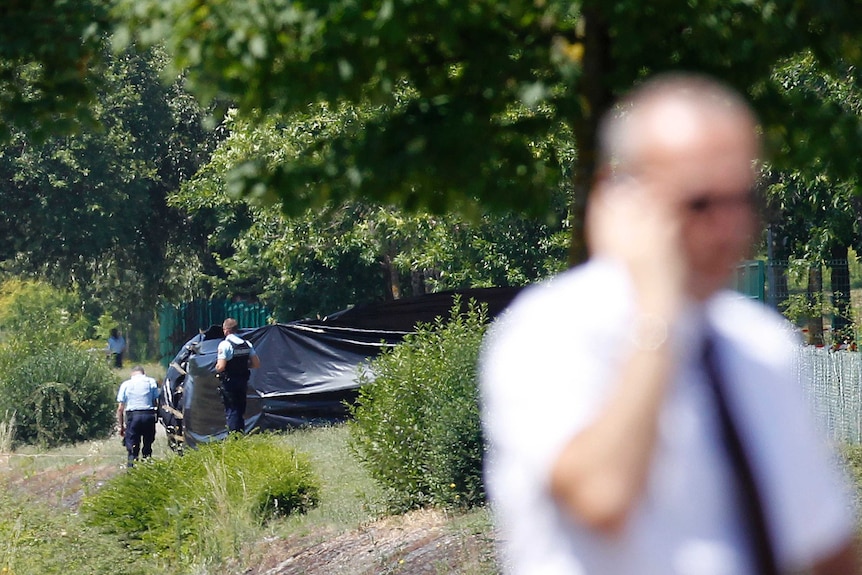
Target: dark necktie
(750, 500)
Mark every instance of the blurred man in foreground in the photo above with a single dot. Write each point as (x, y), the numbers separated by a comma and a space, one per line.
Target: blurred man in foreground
(642, 420)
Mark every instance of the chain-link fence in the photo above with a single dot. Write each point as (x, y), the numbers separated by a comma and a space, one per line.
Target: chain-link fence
(824, 301)
(833, 384)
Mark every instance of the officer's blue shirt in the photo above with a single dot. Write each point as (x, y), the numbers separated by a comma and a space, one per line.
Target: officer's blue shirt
(225, 349)
(140, 392)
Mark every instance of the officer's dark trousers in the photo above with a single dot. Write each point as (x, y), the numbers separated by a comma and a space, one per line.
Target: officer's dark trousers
(234, 395)
(140, 433)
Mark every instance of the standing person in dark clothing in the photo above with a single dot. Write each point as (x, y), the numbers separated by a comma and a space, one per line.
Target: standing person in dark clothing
(116, 347)
(236, 358)
(137, 401)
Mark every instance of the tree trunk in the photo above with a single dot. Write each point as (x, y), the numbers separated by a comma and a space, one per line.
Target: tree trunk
(597, 99)
(842, 319)
(417, 281)
(391, 279)
(815, 304)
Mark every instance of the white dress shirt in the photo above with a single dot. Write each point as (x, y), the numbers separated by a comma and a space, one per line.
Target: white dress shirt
(545, 372)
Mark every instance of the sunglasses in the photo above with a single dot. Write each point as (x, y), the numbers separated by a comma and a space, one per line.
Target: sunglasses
(707, 202)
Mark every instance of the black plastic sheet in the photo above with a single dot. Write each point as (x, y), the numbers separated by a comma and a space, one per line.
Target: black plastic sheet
(309, 369)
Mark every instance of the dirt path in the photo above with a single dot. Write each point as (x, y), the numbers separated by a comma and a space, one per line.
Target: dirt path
(62, 486)
(418, 543)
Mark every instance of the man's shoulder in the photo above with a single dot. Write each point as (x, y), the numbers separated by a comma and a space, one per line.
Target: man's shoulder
(751, 322)
(571, 309)
(586, 288)
(234, 339)
(145, 379)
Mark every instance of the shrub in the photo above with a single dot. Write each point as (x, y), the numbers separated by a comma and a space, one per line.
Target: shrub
(416, 426)
(57, 391)
(35, 315)
(59, 394)
(195, 506)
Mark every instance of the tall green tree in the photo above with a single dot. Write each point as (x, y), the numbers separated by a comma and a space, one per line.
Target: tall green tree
(815, 201)
(48, 53)
(88, 210)
(461, 93)
(323, 259)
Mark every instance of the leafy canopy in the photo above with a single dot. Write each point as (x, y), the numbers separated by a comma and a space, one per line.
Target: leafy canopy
(48, 50)
(454, 100)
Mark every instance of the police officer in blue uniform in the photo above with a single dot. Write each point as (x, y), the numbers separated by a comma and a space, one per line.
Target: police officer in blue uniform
(137, 402)
(235, 360)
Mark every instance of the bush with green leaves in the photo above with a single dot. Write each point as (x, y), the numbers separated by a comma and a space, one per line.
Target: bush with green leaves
(59, 394)
(54, 390)
(34, 314)
(195, 507)
(416, 423)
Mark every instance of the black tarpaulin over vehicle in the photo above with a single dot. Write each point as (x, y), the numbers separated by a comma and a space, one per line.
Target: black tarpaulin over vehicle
(308, 370)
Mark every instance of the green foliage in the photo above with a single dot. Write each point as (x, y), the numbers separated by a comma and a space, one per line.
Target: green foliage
(800, 307)
(416, 425)
(60, 394)
(819, 152)
(49, 48)
(88, 211)
(191, 506)
(449, 106)
(432, 90)
(34, 315)
(311, 262)
(102, 330)
(851, 460)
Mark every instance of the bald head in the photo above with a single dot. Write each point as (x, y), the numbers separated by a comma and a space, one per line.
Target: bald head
(669, 114)
(230, 325)
(689, 145)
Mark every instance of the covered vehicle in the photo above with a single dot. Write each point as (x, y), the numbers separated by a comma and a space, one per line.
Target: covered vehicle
(309, 370)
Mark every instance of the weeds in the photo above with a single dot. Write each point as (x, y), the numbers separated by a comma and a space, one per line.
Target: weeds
(197, 507)
(36, 540)
(44, 538)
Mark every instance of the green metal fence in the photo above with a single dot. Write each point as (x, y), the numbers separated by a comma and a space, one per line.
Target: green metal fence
(180, 322)
(751, 279)
(810, 295)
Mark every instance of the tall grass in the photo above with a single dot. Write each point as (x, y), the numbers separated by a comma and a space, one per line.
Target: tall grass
(348, 496)
(36, 539)
(30, 530)
(230, 522)
(201, 508)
